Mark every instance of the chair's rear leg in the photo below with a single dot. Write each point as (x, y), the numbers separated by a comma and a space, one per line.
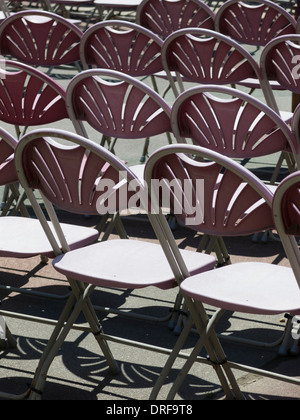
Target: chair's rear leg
(62, 329)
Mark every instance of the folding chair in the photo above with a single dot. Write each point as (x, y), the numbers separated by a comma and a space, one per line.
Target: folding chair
(236, 124)
(164, 17)
(286, 218)
(66, 177)
(204, 56)
(23, 237)
(122, 46)
(279, 63)
(230, 134)
(234, 199)
(125, 109)
(40, 38)
(122, 107)
(29, 97)
(125, 47)
(254, 24)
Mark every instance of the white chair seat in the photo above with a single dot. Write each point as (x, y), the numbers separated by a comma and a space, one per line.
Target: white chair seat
(254, 84)
(134, 265)
(23, 237)
(255, 288)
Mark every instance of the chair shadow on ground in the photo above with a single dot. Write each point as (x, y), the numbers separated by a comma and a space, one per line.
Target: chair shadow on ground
(90, 376)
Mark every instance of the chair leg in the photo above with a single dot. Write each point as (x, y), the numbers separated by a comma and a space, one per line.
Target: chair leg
(145, 150)
(216, 355)
(208, 339)
(8, 200)
(62, 329)
(7, 341)
(171, 360)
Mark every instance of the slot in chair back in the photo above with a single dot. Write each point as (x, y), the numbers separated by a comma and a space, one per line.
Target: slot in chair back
(166, 16)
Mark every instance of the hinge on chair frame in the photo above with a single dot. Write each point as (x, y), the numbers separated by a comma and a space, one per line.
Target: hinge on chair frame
(36, 391)
(98, 333)
(217, 362)
(179, 312)
(227, 259)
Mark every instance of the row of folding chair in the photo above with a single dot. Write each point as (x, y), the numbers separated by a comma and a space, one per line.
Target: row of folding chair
(59, 173)
(254, 23)
(185, 52)
(40, 38)
(241, 20)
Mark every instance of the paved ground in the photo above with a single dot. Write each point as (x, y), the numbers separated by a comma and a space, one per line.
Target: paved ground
(79, 372)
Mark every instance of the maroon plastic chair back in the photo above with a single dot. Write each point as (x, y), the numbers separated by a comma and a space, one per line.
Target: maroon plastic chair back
(280, 61)
(230, 198)
(28, 97)
(40, 38)
(164, 17)
(121, 46)
(235, 124)
(205, 56)
(254, 23)
(69, 176)
(126, 108)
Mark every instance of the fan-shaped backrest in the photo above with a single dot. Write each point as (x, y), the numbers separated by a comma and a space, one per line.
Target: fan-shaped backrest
(229, 200)
(121, 46)
(254, 23)
(40, 38)
(230, 122)
(68, 175)
(8, 174)
(280, 61)
(205, 56)
(166, 16)
(123, 107)
(28, 97)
